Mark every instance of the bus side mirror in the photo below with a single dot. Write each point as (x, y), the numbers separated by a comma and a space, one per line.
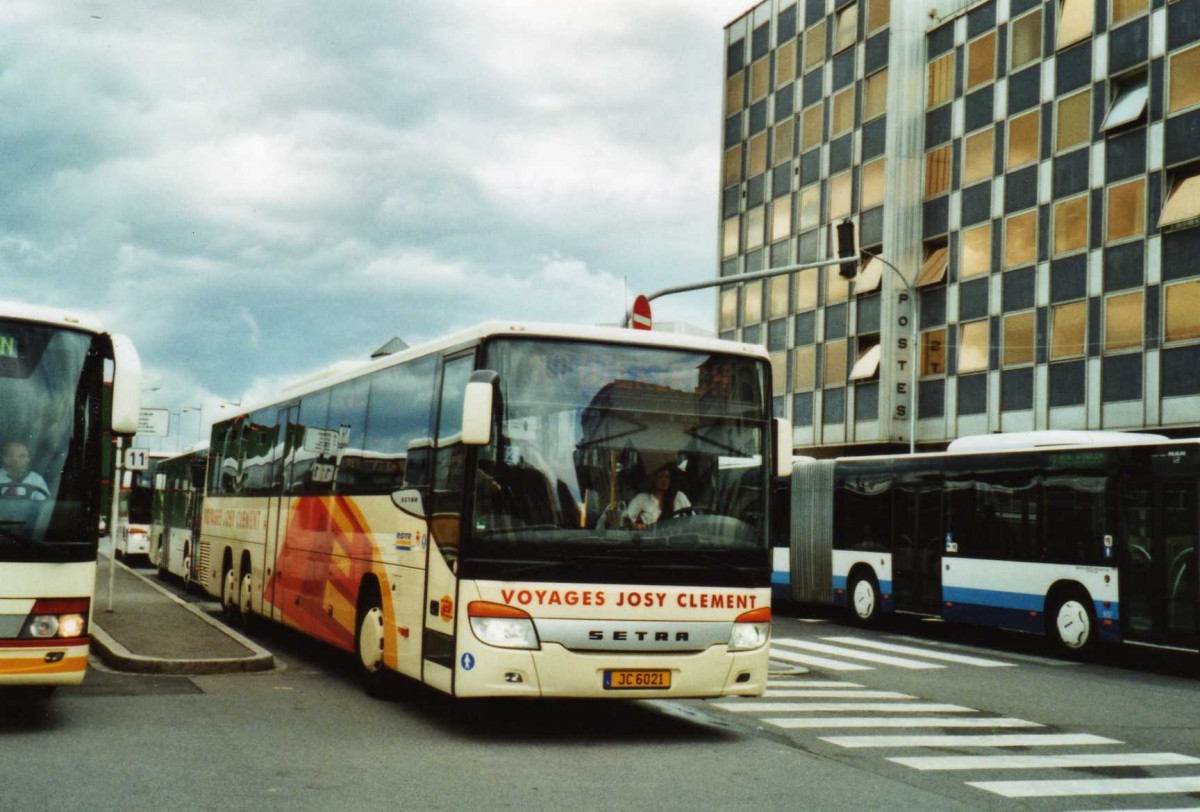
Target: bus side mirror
(410, 501)
(477, 407)
(783, 447)
(127, 385)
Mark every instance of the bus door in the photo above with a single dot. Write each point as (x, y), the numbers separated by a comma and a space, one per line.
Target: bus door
(918, 541)
(278, 503)
(444, 509)
(1159, 581)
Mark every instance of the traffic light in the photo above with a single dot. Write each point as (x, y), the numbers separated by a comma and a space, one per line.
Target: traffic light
(847, 248)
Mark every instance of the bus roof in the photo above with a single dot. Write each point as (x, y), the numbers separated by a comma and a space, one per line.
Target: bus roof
(1015, 440)
(347, 370)
(49, 315)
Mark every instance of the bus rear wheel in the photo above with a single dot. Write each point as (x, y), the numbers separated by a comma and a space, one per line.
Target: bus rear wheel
(1072, 623)
(229, 602)
(864, 599)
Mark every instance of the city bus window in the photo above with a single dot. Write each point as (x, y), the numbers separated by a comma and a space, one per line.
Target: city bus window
(348, 417)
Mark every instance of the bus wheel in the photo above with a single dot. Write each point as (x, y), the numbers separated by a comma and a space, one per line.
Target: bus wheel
(1073, 623)
(245, 593)
(229, 603)
(864, 599)
(187, 573)
(369, 645)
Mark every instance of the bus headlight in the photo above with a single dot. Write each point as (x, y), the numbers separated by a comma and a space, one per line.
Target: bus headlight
(56, 618)
(751, 630)
(504, 626)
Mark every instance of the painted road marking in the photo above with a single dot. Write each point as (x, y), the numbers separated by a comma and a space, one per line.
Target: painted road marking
(961, 659)
(1089, 786)
(1030, 762)
(813, 693)
(841, 651)
(819, 662)
(841, 707)
(816, 683)
(996, 740)
(915, 721)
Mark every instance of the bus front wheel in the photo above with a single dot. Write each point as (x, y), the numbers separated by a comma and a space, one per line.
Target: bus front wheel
(369, 646)
(1073, 623)
(864, 599)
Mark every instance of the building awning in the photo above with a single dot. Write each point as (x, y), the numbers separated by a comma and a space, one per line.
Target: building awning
(1128, 106)
(934, 269)
(867, 364)
(1182, 204)
(871, 276)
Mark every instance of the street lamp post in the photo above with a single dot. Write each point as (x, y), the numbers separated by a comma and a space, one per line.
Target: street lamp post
(914, 352)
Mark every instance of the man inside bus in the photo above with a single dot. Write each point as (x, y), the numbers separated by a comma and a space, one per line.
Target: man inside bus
(663, 501)
(17, 481)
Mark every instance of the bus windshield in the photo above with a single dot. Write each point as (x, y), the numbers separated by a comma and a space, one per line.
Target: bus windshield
(603, 454)
(50, 423)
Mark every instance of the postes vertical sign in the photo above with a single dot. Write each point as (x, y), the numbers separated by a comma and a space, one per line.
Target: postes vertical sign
(904, 357)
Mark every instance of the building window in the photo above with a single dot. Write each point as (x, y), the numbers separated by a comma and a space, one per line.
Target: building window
(839, 195)
(752, 303)
(847, 28)
(1020, 239)
(760, 78)
(729, 306)
(1130, 95)
(1068, 330)
(1023, 138)
(1183, 311)
(1074, 124)
(733, 93)
(973, 346)
(873, 183)
(941, 80)
(834, 373)
(1124, 9)
(1026, 35)
(937, 170)
(933, 352)
(866, 366)
(814, 46)
(879, 14)
(781, 218)
(981, 60)
(979, 156)
(875, 95)
(1182, 206)
(843, 112)
(733, 165)
(1075, 21)
(976, 251)
(779, 373)
(810, 207)
(1126, 210)
(784, 141)
(837, 288)
(933, 269)
(872, 275)
(806, 290)
(756, 221)
(757, 163)
(785, 63)
(777, 296)
(1123, 322)
(1185, 80)
(811, 128)
(729, 238)
(1018, 339)
(1070, 225)
(804, 369)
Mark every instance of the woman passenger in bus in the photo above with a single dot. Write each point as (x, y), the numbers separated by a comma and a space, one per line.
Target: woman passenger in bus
(662, 502)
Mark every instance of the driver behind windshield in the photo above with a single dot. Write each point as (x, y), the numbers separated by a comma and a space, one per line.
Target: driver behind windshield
(17, 481)
(663, 501)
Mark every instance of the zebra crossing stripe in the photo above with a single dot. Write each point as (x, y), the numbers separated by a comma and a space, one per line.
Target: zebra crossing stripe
(816, 693)
(1089, 786)
(819, 662)
(961, 659)
(840, 707)
(1034, 762)
(994, 740)
(912, 721)
(816, 683)
(841, 651)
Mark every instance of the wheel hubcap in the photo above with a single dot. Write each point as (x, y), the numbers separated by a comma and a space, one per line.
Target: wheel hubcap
(1074, 626)
(864, 599)
(370, 639)
(230, 581)
(244, 595)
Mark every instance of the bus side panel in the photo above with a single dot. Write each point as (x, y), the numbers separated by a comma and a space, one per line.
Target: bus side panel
(811, 564)
(1012, 594)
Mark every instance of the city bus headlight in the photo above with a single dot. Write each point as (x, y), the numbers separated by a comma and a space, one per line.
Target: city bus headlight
(504, 626)
(56, 618)
(751, 630)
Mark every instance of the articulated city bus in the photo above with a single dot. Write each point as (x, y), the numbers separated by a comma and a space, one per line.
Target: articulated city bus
(175, 514)
(478, 514)
(1088, 539)
(53, 372)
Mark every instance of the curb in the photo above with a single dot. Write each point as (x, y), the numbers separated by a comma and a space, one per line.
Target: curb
(120, 658)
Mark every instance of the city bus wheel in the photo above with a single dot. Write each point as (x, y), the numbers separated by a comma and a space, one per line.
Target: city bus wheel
(369, 646)
(1072, 624)
(188, 582)
(864, 600)
(229, 603)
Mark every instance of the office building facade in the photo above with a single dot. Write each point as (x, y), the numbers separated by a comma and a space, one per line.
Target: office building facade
(1027, 175)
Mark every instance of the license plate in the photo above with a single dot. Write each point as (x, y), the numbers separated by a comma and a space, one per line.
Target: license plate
(625, 679)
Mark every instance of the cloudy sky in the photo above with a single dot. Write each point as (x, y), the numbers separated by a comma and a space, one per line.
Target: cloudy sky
(256, 190)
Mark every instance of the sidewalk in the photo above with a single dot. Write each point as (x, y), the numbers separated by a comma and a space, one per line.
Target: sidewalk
(151, 631)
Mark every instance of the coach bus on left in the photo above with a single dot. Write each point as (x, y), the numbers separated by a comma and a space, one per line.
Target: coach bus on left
(54, 368)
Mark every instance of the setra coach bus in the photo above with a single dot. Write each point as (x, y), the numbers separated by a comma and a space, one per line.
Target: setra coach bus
(478, 514)
(54, 368)
(1085, 537)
